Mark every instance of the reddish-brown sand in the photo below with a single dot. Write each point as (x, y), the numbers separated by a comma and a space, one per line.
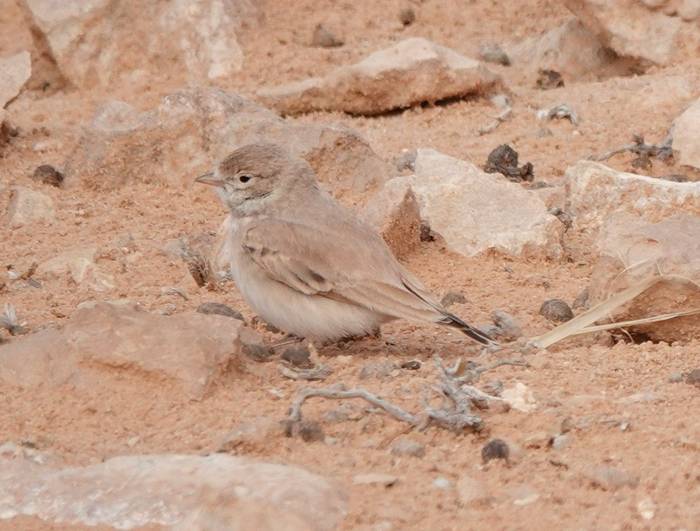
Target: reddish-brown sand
(582, 378)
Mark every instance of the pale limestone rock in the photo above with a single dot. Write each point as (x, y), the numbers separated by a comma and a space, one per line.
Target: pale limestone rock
(410, 72)
(14, 73)
(188, 491)
(472, 210)
(630, 28)
(686, 136)
(100, 42)
(570, 49)
(594, 192)
(28, 206)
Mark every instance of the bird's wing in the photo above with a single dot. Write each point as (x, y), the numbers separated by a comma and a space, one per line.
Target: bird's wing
(354, 266)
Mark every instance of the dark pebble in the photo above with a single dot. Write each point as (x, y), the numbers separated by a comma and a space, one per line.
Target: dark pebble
(495, 449)
(47, 174)
(556, 310)
(298, 357)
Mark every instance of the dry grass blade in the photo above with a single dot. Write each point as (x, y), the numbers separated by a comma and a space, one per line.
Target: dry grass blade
(318, 373)
(637, 322)
(581, 324)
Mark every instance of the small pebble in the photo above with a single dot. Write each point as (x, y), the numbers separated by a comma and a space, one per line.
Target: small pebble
(407, 16)
(471, 491)
(493, 53)
(581, 300)
(299, 357)
(406, 446)
(556, 310)
(377, 369)
(549, 79)
(307, 430)
(406, 160)
(442, 483)
(216, 308)
(508, 327)
(257, 351)
(495, 449)
(323, 38)
(453, 297)
(411, 365)
(47, 174)
(675, 377)
(561, 441)
(693, 377)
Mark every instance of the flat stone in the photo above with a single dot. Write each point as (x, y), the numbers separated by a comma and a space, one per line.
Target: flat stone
(189, 348)
(168, 490)
(28, 206)
(410, 72)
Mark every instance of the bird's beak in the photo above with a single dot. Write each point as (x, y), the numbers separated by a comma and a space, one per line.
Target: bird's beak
(210, 179)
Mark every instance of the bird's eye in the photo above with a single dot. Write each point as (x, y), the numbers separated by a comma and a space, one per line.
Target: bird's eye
(245, 178)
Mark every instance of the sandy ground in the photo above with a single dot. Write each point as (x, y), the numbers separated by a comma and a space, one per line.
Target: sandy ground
(601, 388)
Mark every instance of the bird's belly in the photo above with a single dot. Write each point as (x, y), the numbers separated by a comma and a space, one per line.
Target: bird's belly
(309, 316)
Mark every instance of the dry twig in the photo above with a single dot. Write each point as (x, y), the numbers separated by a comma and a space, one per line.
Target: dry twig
(455, 414)
(644, 152)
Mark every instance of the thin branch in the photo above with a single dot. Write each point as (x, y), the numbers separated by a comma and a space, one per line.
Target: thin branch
(339, 392)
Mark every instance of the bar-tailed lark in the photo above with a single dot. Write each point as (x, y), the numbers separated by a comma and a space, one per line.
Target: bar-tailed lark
(305, 263)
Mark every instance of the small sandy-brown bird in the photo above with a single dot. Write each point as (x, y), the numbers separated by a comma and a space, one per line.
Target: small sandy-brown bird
(305, 263)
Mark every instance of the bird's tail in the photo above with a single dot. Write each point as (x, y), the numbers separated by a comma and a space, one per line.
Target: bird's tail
(474, 333)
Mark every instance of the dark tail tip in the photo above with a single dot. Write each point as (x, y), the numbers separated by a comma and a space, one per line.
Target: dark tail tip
(468, 330)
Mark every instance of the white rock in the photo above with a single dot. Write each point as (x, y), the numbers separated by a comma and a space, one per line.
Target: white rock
(594, 192)
(472, 210)
(630, 28)
(570, 49)
(14, 73)
(686, 136)
(29, 206)
(191, 348)
(167, 490)
(520, 397)
(99, 42)
(412, 71)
